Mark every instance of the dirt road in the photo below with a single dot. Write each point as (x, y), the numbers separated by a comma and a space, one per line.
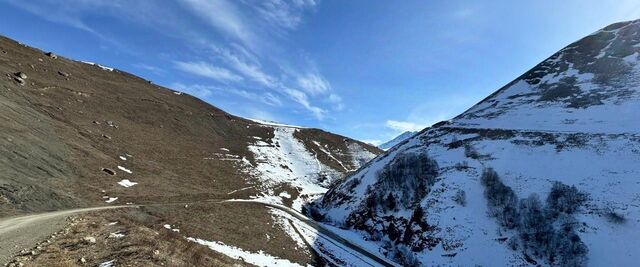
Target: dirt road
(17, 233)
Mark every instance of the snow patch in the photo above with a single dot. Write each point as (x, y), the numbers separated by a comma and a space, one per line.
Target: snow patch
(98, 65)
(259, 258)
(127, 183)
(124, 169)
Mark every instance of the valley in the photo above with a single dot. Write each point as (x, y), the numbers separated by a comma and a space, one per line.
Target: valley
(103, 168)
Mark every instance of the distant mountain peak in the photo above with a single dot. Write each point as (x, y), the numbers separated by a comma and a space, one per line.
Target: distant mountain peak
(396, 140)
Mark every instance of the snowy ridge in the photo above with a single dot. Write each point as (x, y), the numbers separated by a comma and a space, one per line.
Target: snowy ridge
(570, 121)
(270, 123)
(285, 160)
(98, 65)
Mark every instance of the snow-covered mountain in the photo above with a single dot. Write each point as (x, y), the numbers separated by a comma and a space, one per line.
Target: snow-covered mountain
(397, 140)
(545, 171)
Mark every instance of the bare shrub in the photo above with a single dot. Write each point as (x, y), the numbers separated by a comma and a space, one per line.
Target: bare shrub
(501, 199)
(615, 217)
(546, 232)
(411, 175)
(460, 197)
(564, 198)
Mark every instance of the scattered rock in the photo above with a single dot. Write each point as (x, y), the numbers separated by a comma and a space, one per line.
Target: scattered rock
(116, 235)
(110, 123)
(64, 74)
(109, 171)
(82, 260)
(22, 75)
(51, 55)
(19, 80)
(89, 239)
(106, 136)
(96, 122)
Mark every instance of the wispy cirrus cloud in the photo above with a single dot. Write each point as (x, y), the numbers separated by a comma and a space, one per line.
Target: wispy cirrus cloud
(284, 14)
(247, 65)
(314, 84)
(223, 15)
(302, 99)
(207, 70)
(203, 91)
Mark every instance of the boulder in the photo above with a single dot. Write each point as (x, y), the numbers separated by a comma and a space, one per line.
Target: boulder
(89, 240)
(19, 80)
(51, 55)
(22, 75)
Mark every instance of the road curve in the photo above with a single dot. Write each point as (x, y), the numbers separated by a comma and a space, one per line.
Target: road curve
(321, 229)
(21, 232)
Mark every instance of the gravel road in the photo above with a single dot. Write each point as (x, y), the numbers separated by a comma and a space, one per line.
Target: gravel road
(23, 232)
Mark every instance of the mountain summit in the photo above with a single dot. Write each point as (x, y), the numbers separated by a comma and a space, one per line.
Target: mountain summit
(543, 171)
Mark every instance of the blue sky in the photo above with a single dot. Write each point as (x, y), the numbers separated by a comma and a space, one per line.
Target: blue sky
(365, 69)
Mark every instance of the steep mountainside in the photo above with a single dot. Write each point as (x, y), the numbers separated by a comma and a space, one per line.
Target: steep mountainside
(397, 140)
(79, 134)
(544, 171)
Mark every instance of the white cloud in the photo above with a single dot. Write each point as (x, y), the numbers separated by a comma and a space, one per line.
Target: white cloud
(404, 126)
(336, 101)
(314, 84)
(247, 65)
(203, 69)
(284, 14)
(302, 99)
(266, 98)
(224, 16)
(202, 91)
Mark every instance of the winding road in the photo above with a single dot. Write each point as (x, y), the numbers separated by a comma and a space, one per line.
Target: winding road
(17, 233)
